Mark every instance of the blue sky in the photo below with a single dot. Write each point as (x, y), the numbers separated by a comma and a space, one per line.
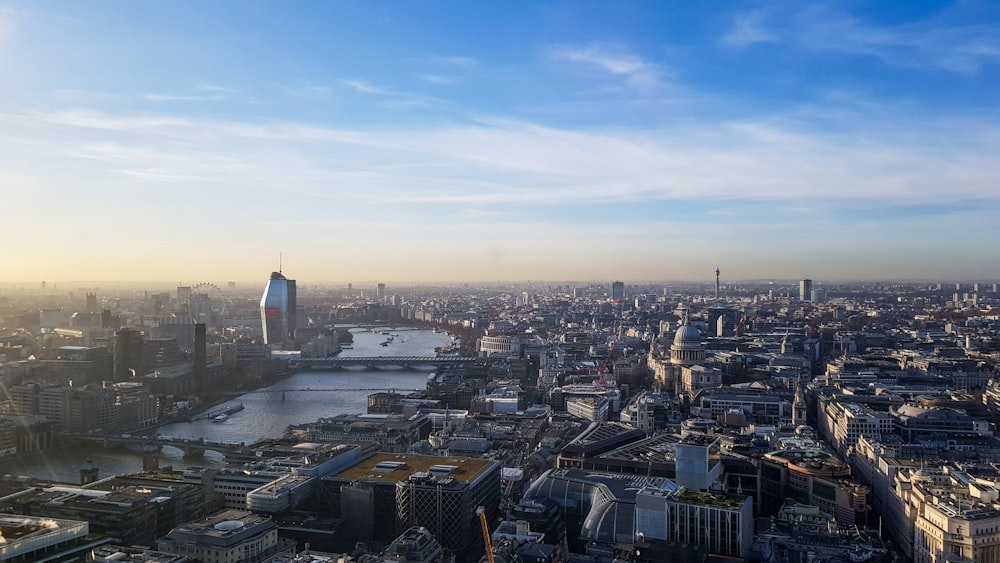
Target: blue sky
(465, 141)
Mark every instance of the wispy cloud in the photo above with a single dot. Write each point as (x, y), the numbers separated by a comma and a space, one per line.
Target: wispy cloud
(611, 59)
(205, 87)
(494, 177)
(437, 79)
(935, 43)
(748, 29)
(757, 160)
(365, 87)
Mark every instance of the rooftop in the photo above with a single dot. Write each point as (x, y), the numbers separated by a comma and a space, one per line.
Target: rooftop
(718, 500)
(390, 468)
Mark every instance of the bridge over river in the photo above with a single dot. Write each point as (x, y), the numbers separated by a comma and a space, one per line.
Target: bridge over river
(382, 362)
(190, 447)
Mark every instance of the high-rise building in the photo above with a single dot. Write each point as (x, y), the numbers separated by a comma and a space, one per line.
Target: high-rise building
(805, 290)
(200, 351)
(277, 309)
(618, 291)
(127, 354)
(380, 291)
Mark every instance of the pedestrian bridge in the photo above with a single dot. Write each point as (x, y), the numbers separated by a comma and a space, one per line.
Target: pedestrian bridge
(382, 362)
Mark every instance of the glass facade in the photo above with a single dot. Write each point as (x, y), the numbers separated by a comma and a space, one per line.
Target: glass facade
(277, 309)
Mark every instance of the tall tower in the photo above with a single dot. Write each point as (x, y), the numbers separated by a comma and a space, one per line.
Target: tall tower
(716, 282)
(618, 291)
(805, 290)
(127, 354)
(799, 406)
(89, 473)
(277, 309)
(200, 353)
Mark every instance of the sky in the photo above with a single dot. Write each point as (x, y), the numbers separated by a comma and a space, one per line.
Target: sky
(493, 140)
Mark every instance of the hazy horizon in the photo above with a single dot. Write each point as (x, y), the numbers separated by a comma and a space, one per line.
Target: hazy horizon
(487, 141)
(75, 285)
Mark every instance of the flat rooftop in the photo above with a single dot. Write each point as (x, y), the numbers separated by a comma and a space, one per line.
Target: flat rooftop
(390, 468)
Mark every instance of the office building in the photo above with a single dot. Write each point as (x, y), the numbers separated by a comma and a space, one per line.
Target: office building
(277, 310)
(231, 535)
(80, 364)
(380, 291)
(134, 514)
(720, 522)
(814, 477)
(127, 354)
(30, 538)
(618, 291)
(388, 493)
(805, 290)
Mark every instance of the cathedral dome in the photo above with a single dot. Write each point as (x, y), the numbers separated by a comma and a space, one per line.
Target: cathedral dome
(687, 336)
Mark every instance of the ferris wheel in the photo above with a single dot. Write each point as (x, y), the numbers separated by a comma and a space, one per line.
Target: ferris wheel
(216, 298)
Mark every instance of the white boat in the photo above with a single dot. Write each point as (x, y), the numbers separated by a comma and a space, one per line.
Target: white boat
(220, 418)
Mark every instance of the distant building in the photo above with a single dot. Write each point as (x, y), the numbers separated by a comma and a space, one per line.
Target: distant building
(500, 346)
(380, 291)
(594, 409)
(814, 477)
(278, 310)
(387, 493)
(132, 514)
(30, 538)
(721, 522)
(805, 290)
(80, 364)
(618, 291)
(231, 535)
(127, 354)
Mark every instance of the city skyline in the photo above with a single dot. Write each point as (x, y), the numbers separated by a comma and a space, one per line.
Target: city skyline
(549, 141)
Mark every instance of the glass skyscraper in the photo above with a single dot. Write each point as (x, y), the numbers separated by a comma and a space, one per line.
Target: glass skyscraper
(277, 309)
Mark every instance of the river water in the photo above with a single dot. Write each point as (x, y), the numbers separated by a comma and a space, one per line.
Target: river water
(303, 397)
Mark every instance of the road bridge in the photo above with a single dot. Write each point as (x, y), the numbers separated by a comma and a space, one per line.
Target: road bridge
(382, 362)
(190, 447)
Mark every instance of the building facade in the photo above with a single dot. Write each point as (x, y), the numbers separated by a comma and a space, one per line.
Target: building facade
(277, 309)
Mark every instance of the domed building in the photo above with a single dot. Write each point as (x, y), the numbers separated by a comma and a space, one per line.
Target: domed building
(686, 353)
(687, 349)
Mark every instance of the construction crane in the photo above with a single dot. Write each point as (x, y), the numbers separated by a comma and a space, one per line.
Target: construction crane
(604, 365)
(486, 533)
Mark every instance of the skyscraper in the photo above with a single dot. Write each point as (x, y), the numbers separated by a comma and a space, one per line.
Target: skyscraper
(380, 291)
(277, 309)
(127, 354)
(618, 291)
(805, 290)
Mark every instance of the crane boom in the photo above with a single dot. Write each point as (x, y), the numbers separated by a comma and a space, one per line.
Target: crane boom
(604, 364)
(486, 534)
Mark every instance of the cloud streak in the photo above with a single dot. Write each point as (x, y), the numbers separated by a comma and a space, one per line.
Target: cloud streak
(748, 29)
(934, 43)
(612, 59)
(525, 162)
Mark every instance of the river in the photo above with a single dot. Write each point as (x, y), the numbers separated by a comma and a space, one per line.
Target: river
(303, 397)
